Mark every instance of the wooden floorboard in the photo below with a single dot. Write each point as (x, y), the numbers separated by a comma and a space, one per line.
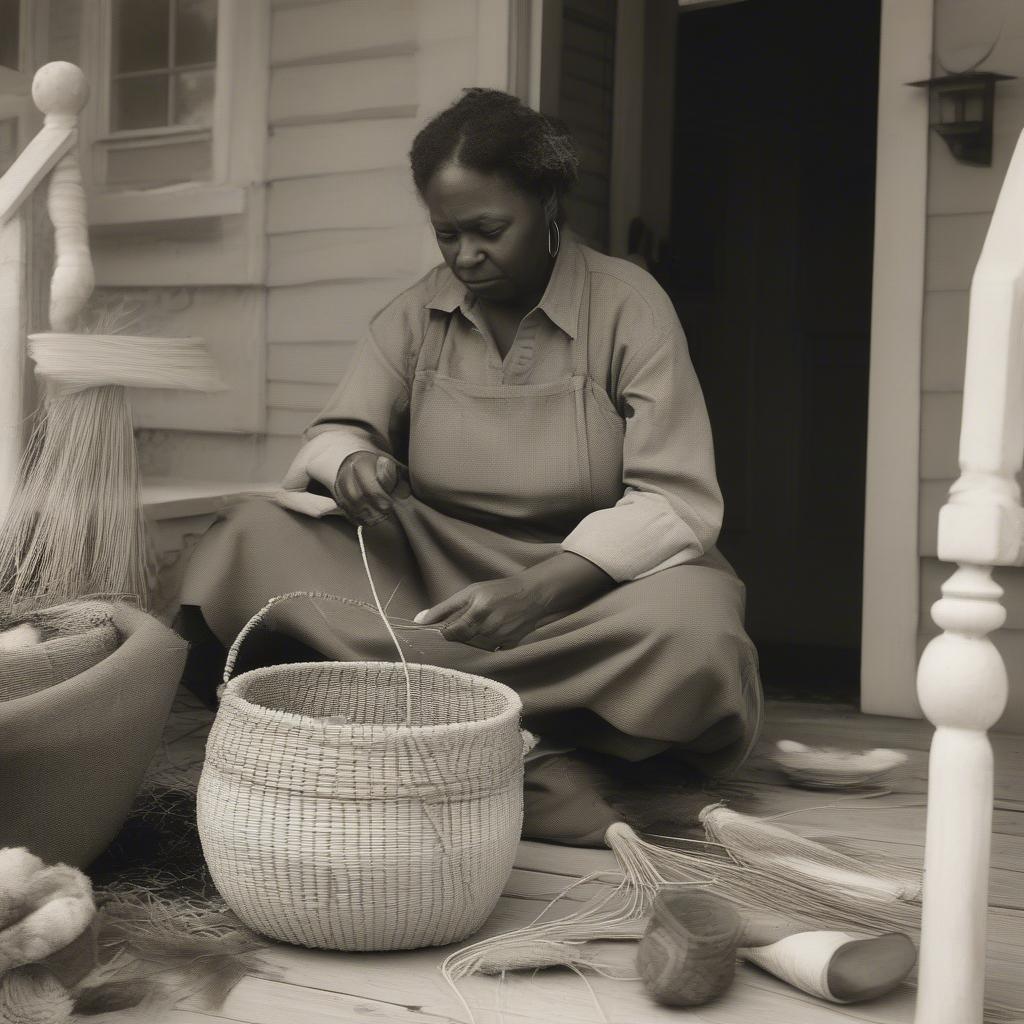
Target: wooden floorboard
(302, 986)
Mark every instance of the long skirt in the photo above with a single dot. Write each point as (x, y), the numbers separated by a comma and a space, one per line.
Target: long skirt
(654, 665)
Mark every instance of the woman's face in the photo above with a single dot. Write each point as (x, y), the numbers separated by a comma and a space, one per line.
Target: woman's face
(492, 234)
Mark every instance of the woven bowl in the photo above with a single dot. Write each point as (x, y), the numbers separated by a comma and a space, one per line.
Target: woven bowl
(329, 822)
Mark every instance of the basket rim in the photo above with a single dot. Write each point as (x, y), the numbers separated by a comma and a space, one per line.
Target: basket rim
(234, 697)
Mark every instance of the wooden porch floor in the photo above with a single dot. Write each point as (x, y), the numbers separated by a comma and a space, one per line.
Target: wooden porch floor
(310, 987)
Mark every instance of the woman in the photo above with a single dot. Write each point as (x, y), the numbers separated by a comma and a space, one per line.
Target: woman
(524, 439)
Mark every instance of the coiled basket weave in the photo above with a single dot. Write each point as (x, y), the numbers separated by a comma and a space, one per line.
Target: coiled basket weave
(362, 805)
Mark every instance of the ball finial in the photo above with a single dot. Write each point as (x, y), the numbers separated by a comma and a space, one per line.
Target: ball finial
(60, 89)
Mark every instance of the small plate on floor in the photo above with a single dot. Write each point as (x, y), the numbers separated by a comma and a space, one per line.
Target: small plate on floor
(834, 768)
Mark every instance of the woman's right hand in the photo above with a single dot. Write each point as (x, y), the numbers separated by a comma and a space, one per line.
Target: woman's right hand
(364, 486)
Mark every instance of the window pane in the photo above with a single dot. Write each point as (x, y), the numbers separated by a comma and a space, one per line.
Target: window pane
(141, 35)
(196, 32)
(10, 32)
(193, 97)
(139, 102)
(8, 143)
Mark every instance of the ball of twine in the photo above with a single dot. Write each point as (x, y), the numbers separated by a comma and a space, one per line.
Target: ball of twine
(687, 956)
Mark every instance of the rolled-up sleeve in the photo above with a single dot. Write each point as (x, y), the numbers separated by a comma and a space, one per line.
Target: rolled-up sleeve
(671, 511)
(369, 408)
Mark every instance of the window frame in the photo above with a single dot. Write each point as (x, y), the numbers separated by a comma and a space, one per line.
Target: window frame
(235, 134)
(12, 79)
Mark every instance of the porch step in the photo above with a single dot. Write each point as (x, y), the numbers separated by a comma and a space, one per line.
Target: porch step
(169, 497)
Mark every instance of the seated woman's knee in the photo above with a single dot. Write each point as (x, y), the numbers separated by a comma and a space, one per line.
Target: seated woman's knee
(254, 514)
(685, 599)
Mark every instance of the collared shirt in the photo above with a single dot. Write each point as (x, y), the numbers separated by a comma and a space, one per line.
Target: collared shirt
(671, 509)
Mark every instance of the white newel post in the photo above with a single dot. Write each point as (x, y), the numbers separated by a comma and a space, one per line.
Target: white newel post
(962, 682)
(60, 91)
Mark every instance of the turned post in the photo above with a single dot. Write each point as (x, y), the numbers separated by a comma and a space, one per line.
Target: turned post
(60, 90)
(962, 681)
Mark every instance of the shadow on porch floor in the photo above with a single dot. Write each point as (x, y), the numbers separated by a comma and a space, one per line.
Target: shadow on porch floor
(310, 987)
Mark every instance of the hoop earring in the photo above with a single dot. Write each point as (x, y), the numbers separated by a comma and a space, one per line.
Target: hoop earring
(553, 251)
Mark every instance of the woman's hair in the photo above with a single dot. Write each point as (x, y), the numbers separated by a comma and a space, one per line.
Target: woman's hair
(495, 133)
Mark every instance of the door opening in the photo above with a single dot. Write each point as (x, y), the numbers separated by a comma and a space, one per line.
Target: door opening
(769, 265)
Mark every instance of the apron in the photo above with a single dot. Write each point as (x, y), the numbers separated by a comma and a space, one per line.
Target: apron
(534, 457)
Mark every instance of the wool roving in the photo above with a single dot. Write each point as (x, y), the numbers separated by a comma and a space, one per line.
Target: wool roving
(42, 908)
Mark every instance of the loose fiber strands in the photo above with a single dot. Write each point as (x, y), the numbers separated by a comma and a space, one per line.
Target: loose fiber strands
(75, 525)
(752, 863)
(74, 362)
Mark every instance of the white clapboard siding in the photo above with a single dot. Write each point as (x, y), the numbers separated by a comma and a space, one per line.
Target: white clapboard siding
(228, 319)
(341, 27)
(340, 310)
(214, 456)
(953, 247)
(302, 150)
(311, 363)
(287, 422)
(940, 434)
(351, 83)
(190, 252)
(931, 497)
(359, 199)
(944, 341)
(358, 88)
(358, 253)
(302, 397)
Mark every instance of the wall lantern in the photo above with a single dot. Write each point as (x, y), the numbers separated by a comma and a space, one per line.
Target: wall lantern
(962, 106)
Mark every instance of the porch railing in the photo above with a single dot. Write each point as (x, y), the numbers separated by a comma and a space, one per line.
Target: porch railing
(60, 92)
(962, 680)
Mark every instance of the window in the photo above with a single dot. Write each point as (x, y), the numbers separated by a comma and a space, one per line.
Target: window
(15, 107)
(158, 69)
(164, 62)
(10, 34)
(178, 97)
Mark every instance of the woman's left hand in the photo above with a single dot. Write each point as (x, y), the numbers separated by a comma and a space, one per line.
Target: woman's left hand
(491, 615)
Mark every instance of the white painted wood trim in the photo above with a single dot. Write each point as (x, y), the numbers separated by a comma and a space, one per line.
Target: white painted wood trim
(238, 129)
(34, 162)
(891, 558)
(493, 43)
(174, 497)
(545, 70)
(627, 124)
(13, 311)
(180, 202)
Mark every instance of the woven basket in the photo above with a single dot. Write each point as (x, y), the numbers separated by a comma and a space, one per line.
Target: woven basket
(345, 805)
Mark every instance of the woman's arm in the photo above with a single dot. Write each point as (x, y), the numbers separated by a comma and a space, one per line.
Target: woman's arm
(501, 612)
(671, 510)
(566, 581)
(369, 408)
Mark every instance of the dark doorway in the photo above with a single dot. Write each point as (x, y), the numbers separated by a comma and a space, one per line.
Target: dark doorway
(769, 264)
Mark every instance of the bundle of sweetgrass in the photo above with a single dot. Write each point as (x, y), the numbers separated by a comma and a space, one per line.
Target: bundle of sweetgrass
(75, 525)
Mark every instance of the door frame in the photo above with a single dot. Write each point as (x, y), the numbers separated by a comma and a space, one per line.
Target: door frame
(891, 591)
(891, 587)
